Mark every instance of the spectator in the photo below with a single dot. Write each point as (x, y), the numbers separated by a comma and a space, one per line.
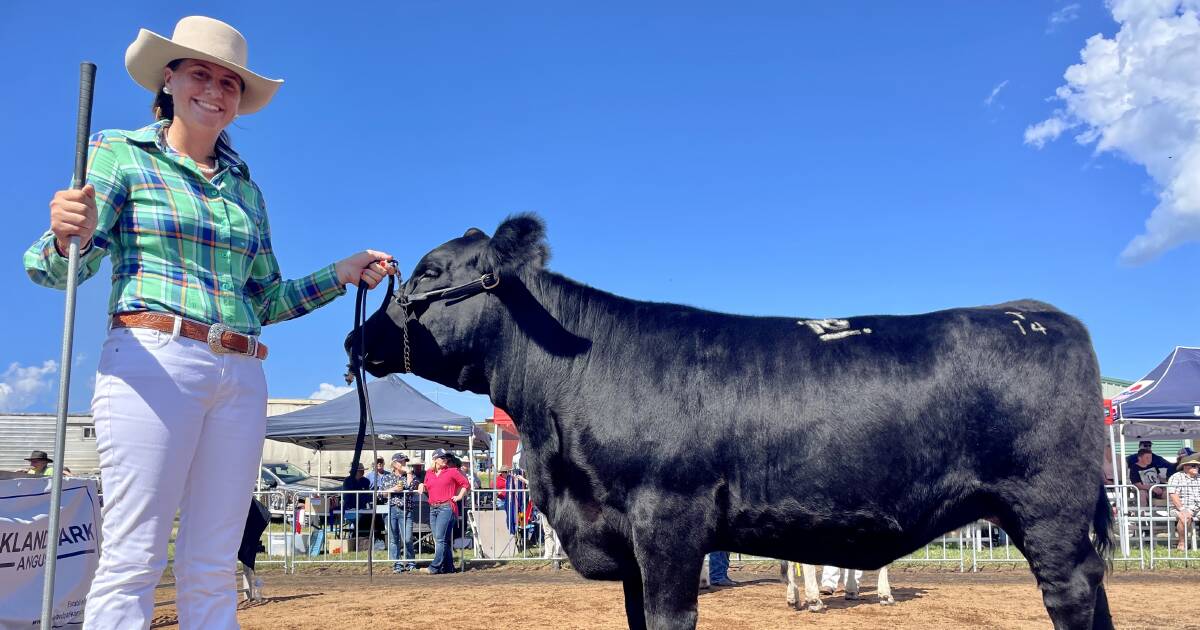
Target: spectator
(39, 464)
(401, 483)
(718, 569)
(1184, 493)
(830, 575)
(465, 469)
(1157, 460)
(355, 485)
(1144, 474)
(445, 486)
(1183, 452)
(501, 484)
(376, 473)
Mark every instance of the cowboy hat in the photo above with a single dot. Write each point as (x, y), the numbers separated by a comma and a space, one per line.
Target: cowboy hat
(36, 455)
(1194, 458)
(198, 37)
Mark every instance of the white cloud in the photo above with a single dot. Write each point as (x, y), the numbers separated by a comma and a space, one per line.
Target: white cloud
(1138, 95)
(21, 386)
(996, 90)
(1062, 16)
(325, 391)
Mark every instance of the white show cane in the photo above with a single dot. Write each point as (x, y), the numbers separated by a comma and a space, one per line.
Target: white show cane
(83, 125)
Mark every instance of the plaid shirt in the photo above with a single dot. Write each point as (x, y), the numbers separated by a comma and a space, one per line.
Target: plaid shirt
(180, 243)
(1187, 487)
(399, 499)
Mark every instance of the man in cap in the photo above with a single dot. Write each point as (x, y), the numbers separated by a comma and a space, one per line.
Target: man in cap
(1183, 490)
(1156, 460)
(401, 485)
(446, 486)
(375, 473)
(39, 464)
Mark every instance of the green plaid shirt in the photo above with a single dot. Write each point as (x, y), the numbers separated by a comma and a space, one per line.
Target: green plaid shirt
(180, 243)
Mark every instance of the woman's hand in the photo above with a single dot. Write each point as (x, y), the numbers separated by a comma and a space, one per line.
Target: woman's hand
(73, 213)
(368, 265)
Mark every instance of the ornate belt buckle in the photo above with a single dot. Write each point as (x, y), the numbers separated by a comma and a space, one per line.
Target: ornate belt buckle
(214, 338)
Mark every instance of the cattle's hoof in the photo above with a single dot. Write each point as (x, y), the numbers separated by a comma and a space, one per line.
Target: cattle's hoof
(816, 606)
(851, 595)
(887, 601)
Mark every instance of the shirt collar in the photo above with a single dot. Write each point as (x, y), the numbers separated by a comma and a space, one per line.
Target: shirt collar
(155, 135)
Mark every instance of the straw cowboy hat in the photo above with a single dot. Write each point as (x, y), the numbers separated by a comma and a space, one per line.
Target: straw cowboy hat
(1194, 458)
(198, 37)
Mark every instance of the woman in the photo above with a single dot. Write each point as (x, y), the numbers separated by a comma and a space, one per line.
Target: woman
(180, 398)
(402, 511)
(446, 487)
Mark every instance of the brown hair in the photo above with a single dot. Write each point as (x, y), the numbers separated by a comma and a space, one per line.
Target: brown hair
(163, 108)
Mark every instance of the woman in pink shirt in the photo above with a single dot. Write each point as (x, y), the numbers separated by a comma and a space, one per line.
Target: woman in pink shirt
(446, 486)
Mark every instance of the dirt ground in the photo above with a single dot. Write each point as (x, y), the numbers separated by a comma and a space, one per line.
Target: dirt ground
(561, 599)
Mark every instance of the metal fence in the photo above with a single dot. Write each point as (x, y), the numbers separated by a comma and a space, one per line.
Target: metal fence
(340, 527)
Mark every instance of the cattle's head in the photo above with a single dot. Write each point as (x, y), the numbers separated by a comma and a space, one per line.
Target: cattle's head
(449, 336)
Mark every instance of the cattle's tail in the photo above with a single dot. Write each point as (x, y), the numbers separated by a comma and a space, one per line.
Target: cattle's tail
(1102, 522)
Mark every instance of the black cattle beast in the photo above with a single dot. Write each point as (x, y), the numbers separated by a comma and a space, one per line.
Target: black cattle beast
(655, 433)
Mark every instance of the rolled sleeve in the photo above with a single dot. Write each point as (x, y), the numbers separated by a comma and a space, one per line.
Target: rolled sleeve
(43, 262)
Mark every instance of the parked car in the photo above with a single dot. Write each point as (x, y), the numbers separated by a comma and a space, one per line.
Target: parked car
(292, 480)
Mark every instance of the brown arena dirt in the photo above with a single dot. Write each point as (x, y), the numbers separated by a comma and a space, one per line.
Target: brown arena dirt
(511, 597)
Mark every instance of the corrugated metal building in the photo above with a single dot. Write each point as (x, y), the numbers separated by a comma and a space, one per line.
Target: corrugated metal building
(21, 433)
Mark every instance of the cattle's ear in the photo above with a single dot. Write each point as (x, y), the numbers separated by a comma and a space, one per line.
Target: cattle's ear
(519, 241)
(474, 232)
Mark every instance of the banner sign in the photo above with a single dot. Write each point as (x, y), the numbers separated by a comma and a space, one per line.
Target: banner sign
(24, 518)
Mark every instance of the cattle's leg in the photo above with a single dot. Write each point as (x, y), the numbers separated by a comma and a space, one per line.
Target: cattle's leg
(812, 592)
(885, 588)
(670, 602)
(635, 606)
(792, 591)
(704, 581)
(851, 576)
(1068, 569)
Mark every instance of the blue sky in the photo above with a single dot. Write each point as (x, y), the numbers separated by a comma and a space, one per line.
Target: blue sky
(779, 158)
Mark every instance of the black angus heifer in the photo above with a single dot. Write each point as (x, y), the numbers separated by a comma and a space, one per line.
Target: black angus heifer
(655, 433)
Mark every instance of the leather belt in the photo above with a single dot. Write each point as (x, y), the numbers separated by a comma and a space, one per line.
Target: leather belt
(219, 337)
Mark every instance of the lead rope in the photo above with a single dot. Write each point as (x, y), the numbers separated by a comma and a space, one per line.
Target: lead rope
(357, 373)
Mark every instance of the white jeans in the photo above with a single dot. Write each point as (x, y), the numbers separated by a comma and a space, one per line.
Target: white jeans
(552, 548)
(178, 427)
(830, 575)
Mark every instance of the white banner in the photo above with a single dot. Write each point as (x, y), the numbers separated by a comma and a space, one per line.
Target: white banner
(24, 510)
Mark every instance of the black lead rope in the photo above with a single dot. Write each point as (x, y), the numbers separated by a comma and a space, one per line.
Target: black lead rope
(357, 366)
(357, 372)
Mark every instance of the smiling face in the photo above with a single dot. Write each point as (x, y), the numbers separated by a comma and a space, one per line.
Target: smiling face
(206, 95)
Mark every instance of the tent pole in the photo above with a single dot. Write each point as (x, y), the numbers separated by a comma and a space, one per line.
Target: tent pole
(474, 476)
(1123, 536)
(1123, 496)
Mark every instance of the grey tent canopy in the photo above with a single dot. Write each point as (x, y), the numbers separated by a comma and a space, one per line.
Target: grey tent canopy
(404, 419)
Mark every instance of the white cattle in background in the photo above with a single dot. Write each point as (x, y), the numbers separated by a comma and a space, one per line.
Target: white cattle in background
(812, 594)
